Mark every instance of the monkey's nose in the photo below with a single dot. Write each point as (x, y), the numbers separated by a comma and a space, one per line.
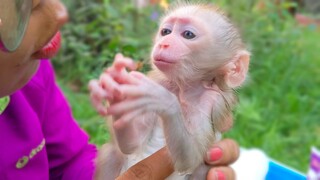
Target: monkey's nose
(164, 46)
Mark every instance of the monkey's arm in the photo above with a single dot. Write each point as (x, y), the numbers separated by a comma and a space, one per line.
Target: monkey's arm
(129, 133)
(132, 133)
(187, 143)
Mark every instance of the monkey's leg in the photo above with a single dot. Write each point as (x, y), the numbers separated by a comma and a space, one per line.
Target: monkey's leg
(109, 163)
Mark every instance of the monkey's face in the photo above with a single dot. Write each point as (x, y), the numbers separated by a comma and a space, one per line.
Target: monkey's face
(180, 43)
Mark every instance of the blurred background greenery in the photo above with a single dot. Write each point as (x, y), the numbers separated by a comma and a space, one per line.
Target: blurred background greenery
(279, 106)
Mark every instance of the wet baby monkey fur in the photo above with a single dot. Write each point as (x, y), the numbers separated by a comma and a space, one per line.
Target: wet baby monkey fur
(186, 100)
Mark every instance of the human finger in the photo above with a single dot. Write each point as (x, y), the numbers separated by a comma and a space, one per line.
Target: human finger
(156, 167)
(221, 173)
(223, 152)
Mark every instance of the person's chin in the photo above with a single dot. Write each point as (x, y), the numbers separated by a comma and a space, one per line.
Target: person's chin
(31, 70)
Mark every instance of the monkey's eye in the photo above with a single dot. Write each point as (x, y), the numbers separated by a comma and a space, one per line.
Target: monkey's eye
(188, 35)
(165, 31)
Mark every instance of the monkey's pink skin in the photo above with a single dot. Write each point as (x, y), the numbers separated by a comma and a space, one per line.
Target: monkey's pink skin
(163, 62)
(163, 65)
(187, 98)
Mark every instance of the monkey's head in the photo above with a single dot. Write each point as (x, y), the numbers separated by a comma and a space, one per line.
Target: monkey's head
(197, 42)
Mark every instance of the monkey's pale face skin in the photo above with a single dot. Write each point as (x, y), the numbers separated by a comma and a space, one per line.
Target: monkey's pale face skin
(179, 40)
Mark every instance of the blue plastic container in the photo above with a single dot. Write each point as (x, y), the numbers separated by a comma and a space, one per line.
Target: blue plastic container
(278, 171)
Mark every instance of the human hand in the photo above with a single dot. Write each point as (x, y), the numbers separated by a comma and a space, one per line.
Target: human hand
(158, 166)
(220, 156)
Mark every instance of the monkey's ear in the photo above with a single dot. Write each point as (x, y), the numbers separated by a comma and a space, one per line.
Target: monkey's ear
(237, 69)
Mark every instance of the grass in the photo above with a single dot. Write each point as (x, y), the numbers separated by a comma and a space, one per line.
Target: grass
(85, 114)
(278, 110)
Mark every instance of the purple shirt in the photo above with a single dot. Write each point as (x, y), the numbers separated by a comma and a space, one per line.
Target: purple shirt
(39, 138)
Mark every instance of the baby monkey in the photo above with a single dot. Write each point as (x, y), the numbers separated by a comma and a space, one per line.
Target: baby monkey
(184, 103)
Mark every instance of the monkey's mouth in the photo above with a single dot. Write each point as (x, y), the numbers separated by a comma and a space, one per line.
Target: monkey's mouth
(163, 60)
(163, 64)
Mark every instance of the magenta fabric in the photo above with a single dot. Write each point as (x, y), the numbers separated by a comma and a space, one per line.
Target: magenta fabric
(39, 138)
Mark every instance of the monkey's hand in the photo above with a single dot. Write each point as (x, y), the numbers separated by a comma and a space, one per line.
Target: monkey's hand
(142, 95)
(118, 71)
(98, 96)
(105, 90)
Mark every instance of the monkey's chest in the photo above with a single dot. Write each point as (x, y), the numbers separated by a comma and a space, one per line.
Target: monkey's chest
(155, 142)
(195, 114)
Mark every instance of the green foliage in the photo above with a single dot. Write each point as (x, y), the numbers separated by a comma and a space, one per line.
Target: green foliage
(278, 109)
(96, 32)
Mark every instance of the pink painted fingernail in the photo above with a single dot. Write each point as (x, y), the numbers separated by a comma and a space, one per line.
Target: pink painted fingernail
(215, 154)
(220, 175)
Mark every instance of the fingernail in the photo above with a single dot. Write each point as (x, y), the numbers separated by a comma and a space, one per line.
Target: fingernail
(220, 175)
(215, 154)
